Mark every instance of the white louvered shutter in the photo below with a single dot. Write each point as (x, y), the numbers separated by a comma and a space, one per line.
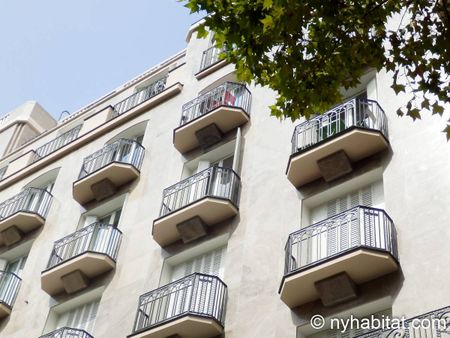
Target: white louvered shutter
(369, 196)
(82, 317)
(210, 263)
(346, 235)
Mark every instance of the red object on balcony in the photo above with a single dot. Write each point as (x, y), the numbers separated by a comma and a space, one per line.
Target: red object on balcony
(228, 100)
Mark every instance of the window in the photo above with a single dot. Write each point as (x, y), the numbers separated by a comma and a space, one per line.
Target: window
(16, 266)
(81, 317)
(111, 218)
(77, 313)
(135, 132)
(207, 258)
(226, 162)
(3, 171)
(46, 181)
(369, 196)
(226, 155)
(107, 213)
(210, 263)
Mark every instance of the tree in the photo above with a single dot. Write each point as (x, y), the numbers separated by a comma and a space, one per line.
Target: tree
(308, 50)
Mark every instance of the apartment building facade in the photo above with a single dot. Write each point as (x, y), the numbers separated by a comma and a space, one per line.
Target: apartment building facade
(176, 206)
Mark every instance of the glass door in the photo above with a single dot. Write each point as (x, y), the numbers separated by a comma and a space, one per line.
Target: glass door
(210, 263)
(222, 181)
(102, 235)
(7, 280)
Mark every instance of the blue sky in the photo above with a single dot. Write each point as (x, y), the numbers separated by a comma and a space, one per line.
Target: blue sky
(64, 54)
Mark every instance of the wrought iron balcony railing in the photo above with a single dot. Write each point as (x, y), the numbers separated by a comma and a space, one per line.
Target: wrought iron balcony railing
(210, 56)
(32, 200)
(96, 237)
(9, 287)
(122, 150)
(137, 98)
(229, 94)
(196, 294)
(4, 119)
(57, 143)
(214, 181)
(67, 332)
(359, 227)
(360, 113)
(2, 172)
(433, 324)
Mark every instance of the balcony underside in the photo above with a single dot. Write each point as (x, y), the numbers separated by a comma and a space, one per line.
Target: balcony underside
(361, 266)
(186, 327)
(211, 69)
(210, 210)
(225, 118)
(5, 311)
(117, 173)
(90, 264)
(357, 144)
(24, 221)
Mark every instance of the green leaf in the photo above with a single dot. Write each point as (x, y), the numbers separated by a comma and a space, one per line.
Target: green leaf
(425, 104)
(447, 132)
(267, 4)
(414, 113)
(437, 109)
(267, 22)
(202, 32)
(398, 88)
(308, 51)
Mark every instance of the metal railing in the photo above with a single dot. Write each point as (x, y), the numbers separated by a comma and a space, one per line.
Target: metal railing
(357, 227)
(32, 200)
(67, 332)
(57, 143)
(229, 94)
(2, 172)
(210, 56)
(360, 113)
(9, 287)
(214, 181)
(196, 294)
(4, 119)
(137, 98)
(96, 237)
(122, 150)
(433, 324)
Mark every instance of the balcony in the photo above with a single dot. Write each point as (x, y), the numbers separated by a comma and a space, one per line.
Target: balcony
(205, 119)
(431, 324)
(22, 214)
(139, 97)
(210, 62)
(191, 307)
(57, 143)
(108, 169)
(9, 287)
(326, 146)
(80, 257)
(67, 332)
(2, 172)
(204, 199)
(327, 259)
